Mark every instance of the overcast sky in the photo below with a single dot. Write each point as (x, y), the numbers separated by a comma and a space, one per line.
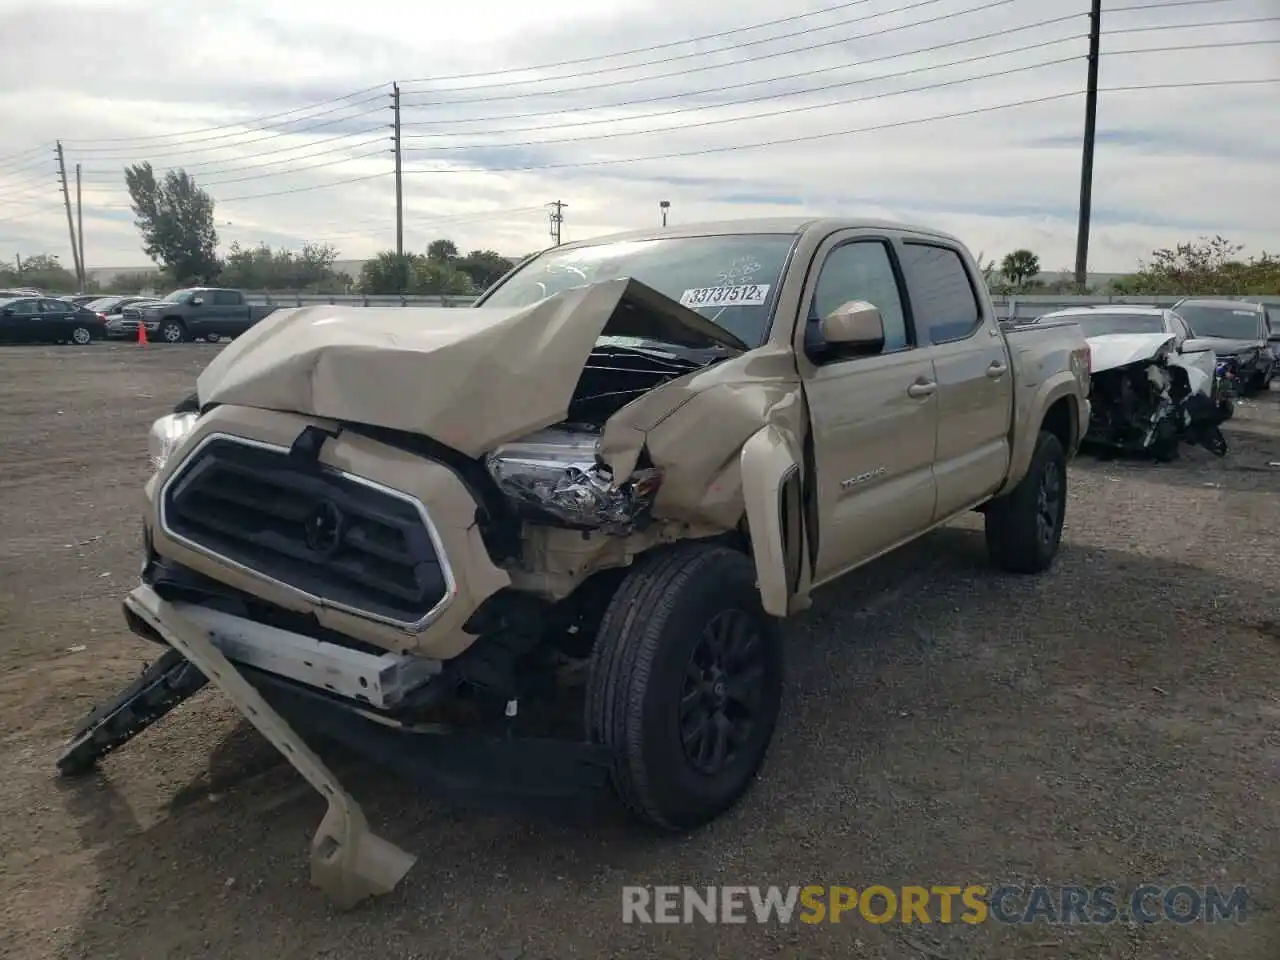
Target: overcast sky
(508, 105)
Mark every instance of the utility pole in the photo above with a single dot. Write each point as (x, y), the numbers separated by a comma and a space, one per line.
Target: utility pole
(84, 269)
(557, 218)
(664, 206)
(17, 257)
(1086, 154)
(66, 201)
(395, 126)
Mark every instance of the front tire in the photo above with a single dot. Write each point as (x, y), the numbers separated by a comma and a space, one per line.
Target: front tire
(81, 336)
(685, 684)
(1024, 527)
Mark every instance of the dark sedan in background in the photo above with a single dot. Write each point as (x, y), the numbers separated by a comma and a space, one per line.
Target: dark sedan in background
(46, 320)
(1241, 335)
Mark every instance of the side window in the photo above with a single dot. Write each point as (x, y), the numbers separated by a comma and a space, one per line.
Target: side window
(943, 303)
(26, 308)
(861, 270)
(53, 306)
(226, 298)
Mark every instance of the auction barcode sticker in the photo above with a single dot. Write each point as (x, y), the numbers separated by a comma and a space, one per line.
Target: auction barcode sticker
(746, 295)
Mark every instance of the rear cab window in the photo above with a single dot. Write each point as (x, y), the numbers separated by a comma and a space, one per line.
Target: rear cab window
(944, 303)
(227, 298)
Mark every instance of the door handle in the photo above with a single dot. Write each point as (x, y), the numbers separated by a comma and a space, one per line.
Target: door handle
(922, 388)
(996, 370)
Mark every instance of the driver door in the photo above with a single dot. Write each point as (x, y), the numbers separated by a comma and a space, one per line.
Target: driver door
(874, 418)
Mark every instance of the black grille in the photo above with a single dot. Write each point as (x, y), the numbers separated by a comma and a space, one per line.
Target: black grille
(307, 526)
(129, 313)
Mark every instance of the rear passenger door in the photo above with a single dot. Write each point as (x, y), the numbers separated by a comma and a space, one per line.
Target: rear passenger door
(874, 418)
(971, 363)
(231, 313)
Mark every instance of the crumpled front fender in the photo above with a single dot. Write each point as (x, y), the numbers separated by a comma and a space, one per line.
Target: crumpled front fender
(772, 490)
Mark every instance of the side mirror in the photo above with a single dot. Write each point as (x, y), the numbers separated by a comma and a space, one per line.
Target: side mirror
(1273, 336)
(855, 325)
(196, 301)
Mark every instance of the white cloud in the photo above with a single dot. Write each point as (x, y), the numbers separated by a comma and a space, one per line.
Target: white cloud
(257, 98)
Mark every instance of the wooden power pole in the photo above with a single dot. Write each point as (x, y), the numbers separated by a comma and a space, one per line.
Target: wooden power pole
(84, 268)
(66, 201)
(395, 126)
(557, 218)
(1086, 154)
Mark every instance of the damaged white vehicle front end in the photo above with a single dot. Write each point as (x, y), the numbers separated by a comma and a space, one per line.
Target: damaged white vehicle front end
(1150, 394)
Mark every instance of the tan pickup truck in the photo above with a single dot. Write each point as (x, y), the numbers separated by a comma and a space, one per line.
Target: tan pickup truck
(634, 456)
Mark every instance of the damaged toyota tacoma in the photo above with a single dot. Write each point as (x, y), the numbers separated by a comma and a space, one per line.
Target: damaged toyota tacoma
(614, 476)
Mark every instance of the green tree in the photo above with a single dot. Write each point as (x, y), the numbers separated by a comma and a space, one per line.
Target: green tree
(309, 270)
(1019, 268)
(484, 267)
(387, 273)
(43, 272)
(442, 251)
(137, 281)
(1206, 267)
(175, 218)
(413, 274)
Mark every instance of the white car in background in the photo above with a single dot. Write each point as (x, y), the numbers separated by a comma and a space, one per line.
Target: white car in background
(1154, 384)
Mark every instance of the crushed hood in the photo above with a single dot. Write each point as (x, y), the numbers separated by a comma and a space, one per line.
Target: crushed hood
(1112, 350)
(471, 378)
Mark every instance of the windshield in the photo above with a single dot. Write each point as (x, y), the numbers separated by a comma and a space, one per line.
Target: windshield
(103, 303)
(1097, 325)
(731, 280)
(178, 296)
(1228, 323)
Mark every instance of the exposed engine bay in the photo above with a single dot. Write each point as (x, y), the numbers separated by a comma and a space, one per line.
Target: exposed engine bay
(1156, 403)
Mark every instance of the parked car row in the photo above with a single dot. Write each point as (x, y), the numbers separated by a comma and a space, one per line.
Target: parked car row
(207, 313)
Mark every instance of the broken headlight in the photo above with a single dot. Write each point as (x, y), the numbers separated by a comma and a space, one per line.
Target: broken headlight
(167, 434)
(557, 474)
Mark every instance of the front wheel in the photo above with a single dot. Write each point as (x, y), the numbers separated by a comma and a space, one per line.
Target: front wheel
(81, 336)
(685, 684)
(1024, 527)
(172, 331)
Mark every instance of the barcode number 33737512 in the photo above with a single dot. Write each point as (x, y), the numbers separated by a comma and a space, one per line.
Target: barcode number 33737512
(747, 294)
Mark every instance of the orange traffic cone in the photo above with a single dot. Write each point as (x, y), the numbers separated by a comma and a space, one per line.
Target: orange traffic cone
(142, 334)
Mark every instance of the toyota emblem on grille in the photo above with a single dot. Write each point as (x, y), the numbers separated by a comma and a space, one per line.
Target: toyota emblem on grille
(323, 528)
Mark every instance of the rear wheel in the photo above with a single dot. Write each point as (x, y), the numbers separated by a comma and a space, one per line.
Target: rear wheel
(685, 684)
(1024, 527)
(173, 331)
(212, 337)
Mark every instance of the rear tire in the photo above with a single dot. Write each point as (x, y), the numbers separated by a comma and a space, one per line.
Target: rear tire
(81, 336)
(212, 337)
(173, 331)
(1024, 527)
(685, 684)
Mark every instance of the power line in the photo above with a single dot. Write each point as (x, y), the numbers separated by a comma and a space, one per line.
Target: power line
(319, 186)
(649, 49)
(990, 5)
(805, 138)
(788, 110)
(130, 154)
(751, 83)
(239, 125)
(833, 103)
(768, 97)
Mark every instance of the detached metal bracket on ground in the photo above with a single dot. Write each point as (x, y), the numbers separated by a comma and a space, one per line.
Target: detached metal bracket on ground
(348, 861)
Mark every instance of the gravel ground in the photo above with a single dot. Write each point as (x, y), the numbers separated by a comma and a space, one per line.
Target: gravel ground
(1115, 721)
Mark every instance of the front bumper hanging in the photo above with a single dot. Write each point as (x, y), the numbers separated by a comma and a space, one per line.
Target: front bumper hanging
(348, 861)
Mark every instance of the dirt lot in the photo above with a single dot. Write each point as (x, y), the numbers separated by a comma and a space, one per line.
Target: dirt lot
(1116, 721)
